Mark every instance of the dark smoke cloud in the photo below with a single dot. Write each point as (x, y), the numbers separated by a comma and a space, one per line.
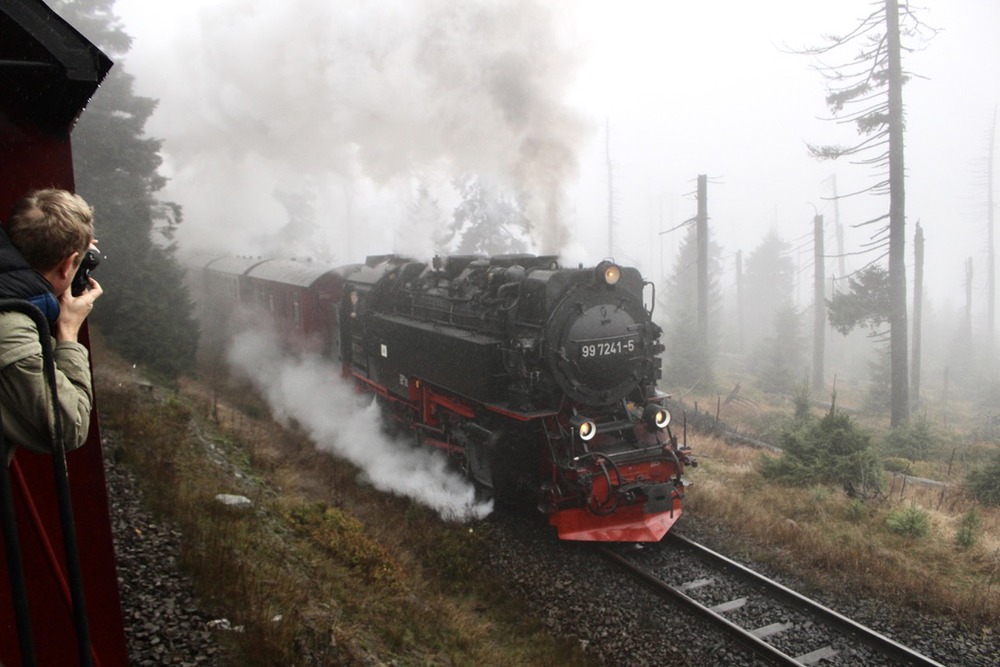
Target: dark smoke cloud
(354, 102)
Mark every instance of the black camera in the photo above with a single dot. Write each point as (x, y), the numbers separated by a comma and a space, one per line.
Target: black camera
(81, 281)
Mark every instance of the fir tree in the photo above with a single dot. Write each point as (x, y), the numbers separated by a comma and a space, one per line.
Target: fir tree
(146, 311)
(779, 358)
(689, 358)
(983, 482)
(487, 221)
(769, 282)
(831, 450)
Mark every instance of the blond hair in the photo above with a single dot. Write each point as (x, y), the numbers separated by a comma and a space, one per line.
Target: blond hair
(49, 225)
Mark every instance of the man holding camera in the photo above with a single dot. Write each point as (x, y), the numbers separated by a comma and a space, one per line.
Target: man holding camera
(48, 235)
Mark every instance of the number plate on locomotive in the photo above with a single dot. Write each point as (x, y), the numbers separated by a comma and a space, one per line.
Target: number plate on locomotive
(608, 347)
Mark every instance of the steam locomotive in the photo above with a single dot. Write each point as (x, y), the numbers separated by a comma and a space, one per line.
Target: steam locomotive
(540, 381)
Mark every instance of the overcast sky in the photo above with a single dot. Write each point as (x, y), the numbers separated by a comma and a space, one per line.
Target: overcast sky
(359, 99)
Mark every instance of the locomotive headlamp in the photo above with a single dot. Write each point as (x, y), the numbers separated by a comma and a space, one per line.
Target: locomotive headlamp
(608, 272)
(585, 427)
(656, 417)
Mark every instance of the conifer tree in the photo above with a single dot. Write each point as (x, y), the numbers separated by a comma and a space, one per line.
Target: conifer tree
(146, 311)
(690, 358)
(768, 285)
(779, 358)
(867, 89)
(488, 221)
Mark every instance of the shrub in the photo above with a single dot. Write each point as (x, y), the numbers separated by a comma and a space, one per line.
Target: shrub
(983, 482)
(914, 441)
(913, 522)
(345, 538)
(968, 530)
(855, 510)
(803, 403)
(896, 464)
(819, 494)
(833, 450)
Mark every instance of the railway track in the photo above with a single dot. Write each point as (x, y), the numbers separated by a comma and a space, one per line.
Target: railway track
(774, 622)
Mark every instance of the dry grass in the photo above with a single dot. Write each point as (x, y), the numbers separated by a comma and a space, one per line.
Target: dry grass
(322, 570)
(837, 545)
(355, 574)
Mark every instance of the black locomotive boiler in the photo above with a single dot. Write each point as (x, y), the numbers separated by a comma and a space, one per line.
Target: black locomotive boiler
(539, 380)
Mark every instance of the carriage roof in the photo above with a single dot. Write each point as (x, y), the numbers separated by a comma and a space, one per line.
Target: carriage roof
(289, 271)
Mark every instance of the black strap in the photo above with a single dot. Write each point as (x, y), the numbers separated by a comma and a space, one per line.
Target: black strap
(15, 568)
(64, 502)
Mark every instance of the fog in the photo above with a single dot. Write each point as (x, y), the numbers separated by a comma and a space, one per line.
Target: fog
(306, 127)
(349, 106)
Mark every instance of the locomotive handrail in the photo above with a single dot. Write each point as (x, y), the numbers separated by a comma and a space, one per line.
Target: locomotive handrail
(612, 455)
(652, 301)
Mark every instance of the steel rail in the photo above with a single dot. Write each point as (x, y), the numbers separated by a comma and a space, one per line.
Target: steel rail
(760, 647)
(817, 611)
(875, 640)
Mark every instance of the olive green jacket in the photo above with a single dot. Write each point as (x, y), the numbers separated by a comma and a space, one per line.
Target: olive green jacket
(25, 398)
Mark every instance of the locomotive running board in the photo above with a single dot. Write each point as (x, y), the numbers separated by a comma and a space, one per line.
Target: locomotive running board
(520, 416)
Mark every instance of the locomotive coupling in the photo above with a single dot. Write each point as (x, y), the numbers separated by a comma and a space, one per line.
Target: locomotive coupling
(659, 497)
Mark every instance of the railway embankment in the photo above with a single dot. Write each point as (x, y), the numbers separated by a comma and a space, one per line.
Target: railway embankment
(317, 568)
(321, 569)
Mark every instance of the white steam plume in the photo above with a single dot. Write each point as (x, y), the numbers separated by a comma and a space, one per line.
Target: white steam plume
(311, 392)
(344, 98)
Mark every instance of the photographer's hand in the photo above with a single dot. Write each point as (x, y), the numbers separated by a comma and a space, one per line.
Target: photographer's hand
(73, 311)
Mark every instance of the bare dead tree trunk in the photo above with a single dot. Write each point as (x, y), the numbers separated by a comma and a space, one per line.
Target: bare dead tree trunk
(967, 334)
(918, 298)
(841, 253)
(991, 257)
(739, 297)
(611, 190)
(898, 352)
(702, 234)
(819, 304)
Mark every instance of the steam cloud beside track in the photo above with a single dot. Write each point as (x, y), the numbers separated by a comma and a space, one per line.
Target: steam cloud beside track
(310, 391)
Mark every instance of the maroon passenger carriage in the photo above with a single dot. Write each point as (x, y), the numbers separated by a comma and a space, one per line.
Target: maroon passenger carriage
(301, 298)
(539, 380)
(48, 72)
